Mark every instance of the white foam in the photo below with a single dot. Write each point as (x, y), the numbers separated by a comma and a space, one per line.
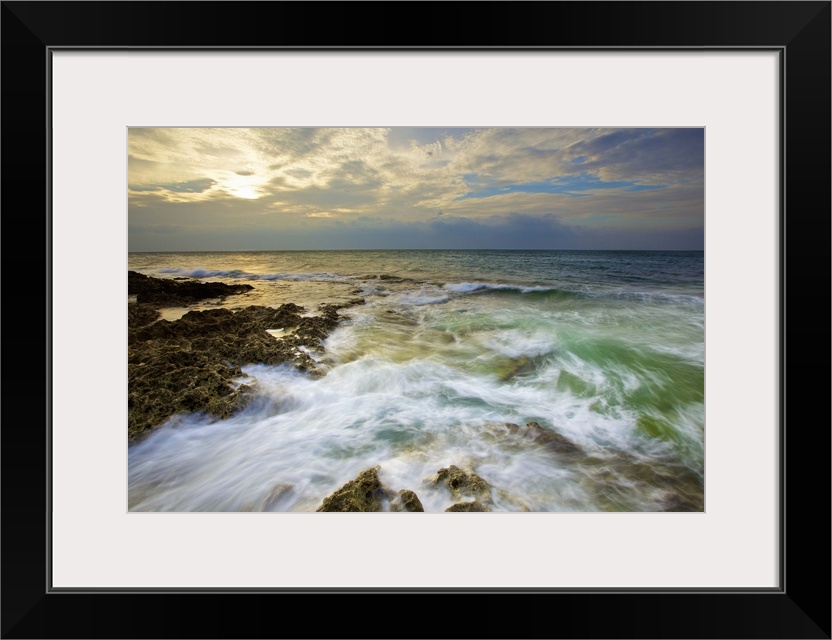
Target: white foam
(470, 287)
(516, 343)
(373, 290)
(418, 298)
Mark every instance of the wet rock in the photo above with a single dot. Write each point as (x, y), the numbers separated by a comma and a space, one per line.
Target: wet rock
(407, 500)
(552, 439)
(677, 503)
(236, 338)
(516, 367)
(312, 331)
(467, 506)
(344, 305)
(213, 322)
(365, 493)
(192, 364)
(166, 384)
(164, 292)
(139, 315)
(461, 483)
(534, 432)
(622, 482)
(278, 492)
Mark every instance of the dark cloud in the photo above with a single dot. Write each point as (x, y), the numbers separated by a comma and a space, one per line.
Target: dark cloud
(689, 239)
(514, 231)
(189, 186)
(338, 194)
(244, 173)
(643, 153)
(300, 174)
(163, 228)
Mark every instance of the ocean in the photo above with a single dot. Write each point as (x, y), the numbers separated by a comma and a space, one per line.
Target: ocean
(606, 349)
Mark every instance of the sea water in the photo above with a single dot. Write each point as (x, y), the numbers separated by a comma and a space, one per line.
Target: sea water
(604, 348)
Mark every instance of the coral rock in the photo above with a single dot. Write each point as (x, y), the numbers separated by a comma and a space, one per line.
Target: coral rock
(365, 493)
(461, 482)
(407, 500)
(467, 506)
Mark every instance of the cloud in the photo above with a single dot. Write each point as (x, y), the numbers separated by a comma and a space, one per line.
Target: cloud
(189, 186)
(499, 232)
(567, 185)
(583, 179)
(644, 155)
(163, 228)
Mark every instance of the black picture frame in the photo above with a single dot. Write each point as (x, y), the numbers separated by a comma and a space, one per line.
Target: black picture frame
(799, 608)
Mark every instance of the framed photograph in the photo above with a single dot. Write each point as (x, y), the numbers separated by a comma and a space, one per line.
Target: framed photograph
(541, 273)
(471, 336)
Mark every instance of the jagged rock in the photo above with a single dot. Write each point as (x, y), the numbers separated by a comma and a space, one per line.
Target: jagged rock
(534, 432)
(467, 506)
(190, 364)
(162, 292)
(312, 331)
(407, 500)
(139, 315)
(675, 486)
(244, 323)
(461, 483)
(159, 388)
(350, 303)
(552, 439)
(365, 493)
(234, 338)
(675, 502)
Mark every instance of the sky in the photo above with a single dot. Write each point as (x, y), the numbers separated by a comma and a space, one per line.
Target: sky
(236, 189)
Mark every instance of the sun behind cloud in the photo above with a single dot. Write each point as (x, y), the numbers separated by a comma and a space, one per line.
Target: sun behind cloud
(239, 188)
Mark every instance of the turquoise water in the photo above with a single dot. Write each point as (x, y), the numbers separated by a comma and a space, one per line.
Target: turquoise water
(604, 348)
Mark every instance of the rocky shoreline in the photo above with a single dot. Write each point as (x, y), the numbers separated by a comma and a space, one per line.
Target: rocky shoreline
(191, 365)
(470, 492)
(367, 493)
